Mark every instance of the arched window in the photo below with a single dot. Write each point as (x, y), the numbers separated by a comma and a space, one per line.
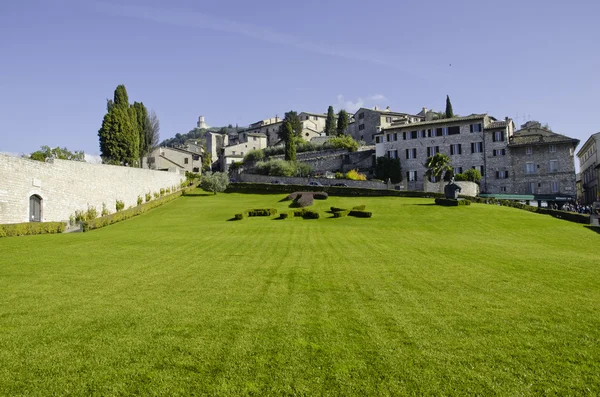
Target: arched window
(35, 208)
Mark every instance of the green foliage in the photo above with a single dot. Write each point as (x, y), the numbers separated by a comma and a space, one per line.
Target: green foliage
(31, 228)
(340, 213)
(148, 197)
(143, 126)
(119, 134)
(354, 175)
(104, 210)
(342, 142)
(360, 214)
(306, 214)
(119, 205)
(140, 200)
(437, 165)
(472, 175)
(238, 217)
(449, 112)
(330, 122)
(58, 153)
(342, 122)
(282, 168)
(387, 168)
(261, 212)
(206, 162)
(359, 207)
(91, 213)
(156, 195)
(254, 156)
(215, 182)
(290, 150)
(162, 192)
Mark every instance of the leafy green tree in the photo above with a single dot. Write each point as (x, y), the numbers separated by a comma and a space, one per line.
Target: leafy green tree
(58, 153)
(342, 122)
(449, 112)
(290, 130)
(386, 168)
(330, 123)
(437, 165)
(215, 182)
(206, 162)
(119, 135)
(472, 175)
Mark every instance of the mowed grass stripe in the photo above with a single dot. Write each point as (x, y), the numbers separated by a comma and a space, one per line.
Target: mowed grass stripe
(419, 299)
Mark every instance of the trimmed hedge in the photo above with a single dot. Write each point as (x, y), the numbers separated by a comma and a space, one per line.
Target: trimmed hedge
(31, 228)
(336, 209)
(283, 215)
(320, 195)
(130, 213)
(360, 214)
(267, 188)
(306, 214)
(340, 213)
(238, 217)
(451, 202)
(359, 208)
(261, 212)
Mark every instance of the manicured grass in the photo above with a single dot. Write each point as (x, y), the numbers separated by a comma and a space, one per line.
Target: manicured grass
(420, 299)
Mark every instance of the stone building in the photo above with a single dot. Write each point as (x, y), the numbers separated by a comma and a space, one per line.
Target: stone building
(234, 153)
(368, 122)
(530, 164)
(168, 158)
(589, 163)
(542, 164)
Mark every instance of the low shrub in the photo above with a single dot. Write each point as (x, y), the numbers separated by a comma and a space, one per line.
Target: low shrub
(354, 175)
(119, 205)
(104, 210)
(140, 200)
(306, 214)
(148, 197)
(162, 192)
(336, 209)
(31, 228)
(451, 202)
(167, 190)
(261, 212)
(340, 213)
(283, 215)
(360, 214)
(238, 217)
(91, 213)
(359, 208)
(156, 195)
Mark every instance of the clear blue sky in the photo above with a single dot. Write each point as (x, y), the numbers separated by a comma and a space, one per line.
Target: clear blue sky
(241, 61)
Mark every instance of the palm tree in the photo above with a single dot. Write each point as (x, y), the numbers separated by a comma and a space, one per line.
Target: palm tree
(437, 164)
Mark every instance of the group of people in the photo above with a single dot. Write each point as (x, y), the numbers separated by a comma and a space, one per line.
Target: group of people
(579, 208)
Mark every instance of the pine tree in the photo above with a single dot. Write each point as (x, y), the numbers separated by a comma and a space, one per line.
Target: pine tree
(330, 127)
(342, 122)
(449, 112)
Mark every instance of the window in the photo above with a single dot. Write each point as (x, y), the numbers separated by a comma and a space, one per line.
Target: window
(499, 152)
(553, 166)
(498, 136)
(411, 153)
(477, 147)
(529, 168)
(411, 176)
(421, 134)
(195, 157)
(388, 119)
(439, 131)
(554, 186)
(35, 208)
(361, 116)
(395, 136)
(432, 150)
(361, 127)
(196, 169)
(475, 127)
(480, 169)
(413, 135)
(393, 154)
(377, 139)
(455, 130)
(552, 148)
(528, 150)
(254, 138)
(388, 137)
(501, 174)
(430, 133)
(531, 187)
(455, 149)
(315, 118)
(233, 152)
(502, 189)
(457, 170)
(433, 179)
(444, 131)
(185, 160)
(571, 151)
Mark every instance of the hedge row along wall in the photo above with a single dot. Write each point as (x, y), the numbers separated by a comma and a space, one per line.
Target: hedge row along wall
(30, 228)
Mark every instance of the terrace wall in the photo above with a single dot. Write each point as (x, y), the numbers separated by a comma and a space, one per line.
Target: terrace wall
(67, 186)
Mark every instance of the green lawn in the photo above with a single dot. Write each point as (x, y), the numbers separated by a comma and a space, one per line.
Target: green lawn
(419, 299)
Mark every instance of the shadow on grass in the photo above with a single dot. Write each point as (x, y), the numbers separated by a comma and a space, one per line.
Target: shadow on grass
(197, 195)
(233, 219)
(594, 228)
(425, 205)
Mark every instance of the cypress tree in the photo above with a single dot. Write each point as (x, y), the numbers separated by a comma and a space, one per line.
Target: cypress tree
(449, 112)
(342, 122)
(141, 115)
(330, 127)
(121, 99)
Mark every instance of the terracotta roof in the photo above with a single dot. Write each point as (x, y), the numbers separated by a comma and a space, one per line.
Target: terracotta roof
(440, 121)
(539, 136)
(496, 124)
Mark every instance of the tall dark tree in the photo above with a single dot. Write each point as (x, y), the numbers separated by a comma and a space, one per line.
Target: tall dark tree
(142, 121)
(330, 126)
(119, 135)
(286, 134)
(449, 112)
(342, 122)
(387, 168)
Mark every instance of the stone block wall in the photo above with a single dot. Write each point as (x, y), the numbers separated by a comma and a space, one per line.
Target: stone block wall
(470, 189)
(67, 186)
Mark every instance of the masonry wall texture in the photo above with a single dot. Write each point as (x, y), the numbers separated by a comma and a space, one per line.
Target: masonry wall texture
(304, 181)
(67, 186)
(470, 189)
